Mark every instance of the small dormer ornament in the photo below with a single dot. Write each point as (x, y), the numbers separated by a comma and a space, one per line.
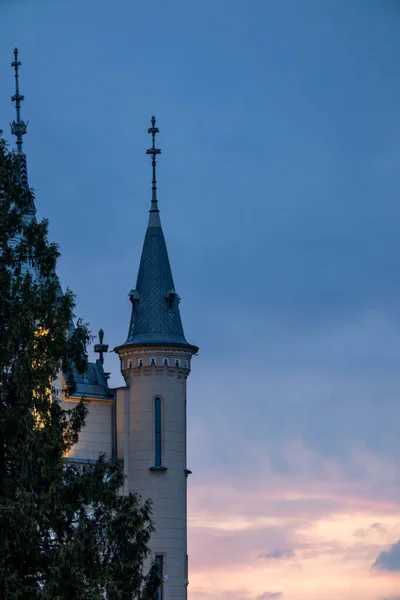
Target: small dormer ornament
(134, 298)
(172, 299)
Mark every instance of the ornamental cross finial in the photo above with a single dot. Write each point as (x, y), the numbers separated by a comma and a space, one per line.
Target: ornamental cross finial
(19, 127)
(153, 151)
(101, 348)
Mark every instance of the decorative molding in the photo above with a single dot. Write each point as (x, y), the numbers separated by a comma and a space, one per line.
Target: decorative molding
(178, 372)
(152, 350)
(76, 399)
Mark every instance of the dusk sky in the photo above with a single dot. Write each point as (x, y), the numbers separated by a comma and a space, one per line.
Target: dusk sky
(279, 191)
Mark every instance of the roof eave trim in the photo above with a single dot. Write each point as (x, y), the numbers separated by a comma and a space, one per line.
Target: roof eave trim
(190, 347)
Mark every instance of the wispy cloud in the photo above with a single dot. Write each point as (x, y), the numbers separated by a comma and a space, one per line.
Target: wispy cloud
(229, 594)
(278, 554)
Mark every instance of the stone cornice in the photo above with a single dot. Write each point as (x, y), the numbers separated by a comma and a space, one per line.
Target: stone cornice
(75, 399)
(139, 351)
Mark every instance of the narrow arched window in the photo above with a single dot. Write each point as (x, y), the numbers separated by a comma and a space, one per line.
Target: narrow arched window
(158, 432)
(160, 572)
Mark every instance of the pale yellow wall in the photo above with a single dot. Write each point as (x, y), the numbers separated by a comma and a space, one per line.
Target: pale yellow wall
(96, 437)
(120, 422)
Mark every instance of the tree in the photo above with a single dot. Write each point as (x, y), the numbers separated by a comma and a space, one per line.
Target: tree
(66, 531)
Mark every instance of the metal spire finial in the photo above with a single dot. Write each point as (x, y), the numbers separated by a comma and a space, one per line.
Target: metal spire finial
(153, 151)
(101, 348)
(19, 127)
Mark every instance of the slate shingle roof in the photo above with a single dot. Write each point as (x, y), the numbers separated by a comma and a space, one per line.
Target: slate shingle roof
(155, 305)
(93, 383)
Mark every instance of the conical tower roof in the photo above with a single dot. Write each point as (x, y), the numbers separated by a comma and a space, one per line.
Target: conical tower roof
(155, 319)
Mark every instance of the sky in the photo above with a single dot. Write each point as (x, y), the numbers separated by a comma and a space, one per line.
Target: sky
(279, 185)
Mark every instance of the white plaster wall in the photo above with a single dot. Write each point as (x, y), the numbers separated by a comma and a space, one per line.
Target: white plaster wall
(96, 436)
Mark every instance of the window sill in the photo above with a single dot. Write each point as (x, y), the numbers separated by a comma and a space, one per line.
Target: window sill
(156, 469)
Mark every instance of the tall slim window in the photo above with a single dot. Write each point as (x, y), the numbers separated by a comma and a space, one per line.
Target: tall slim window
(158, 431)
(160, 567)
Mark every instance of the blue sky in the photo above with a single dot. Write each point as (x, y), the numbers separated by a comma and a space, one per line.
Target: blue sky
(279, 189)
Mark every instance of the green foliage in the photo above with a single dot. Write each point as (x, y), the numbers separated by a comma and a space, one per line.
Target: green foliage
(66, 532)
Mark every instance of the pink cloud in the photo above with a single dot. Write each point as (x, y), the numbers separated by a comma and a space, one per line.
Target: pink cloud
(283, 528)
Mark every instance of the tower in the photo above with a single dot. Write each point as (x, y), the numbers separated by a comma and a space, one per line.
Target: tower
(151, 409)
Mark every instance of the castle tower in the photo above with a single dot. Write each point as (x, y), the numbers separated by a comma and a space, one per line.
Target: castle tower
(151, 409)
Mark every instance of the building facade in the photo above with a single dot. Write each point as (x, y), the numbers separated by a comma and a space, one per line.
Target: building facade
(143, 423)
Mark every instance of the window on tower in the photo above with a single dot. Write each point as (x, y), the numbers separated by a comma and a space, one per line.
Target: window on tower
(160, 568)
(158, 432)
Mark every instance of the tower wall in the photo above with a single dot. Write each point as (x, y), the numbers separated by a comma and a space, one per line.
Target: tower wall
(165, 484)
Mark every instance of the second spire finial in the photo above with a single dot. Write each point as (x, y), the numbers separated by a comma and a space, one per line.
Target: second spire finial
(153, 151)
(19, 126)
